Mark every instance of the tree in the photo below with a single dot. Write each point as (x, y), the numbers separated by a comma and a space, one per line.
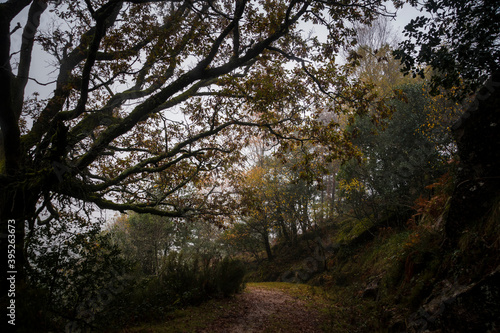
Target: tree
(460, 44)
(477, 184)
(126, 68)
(374, 56)
(256, 206)
(459, 40)
(400, 160)
(242, 239)
(277, 197)
(145, 238)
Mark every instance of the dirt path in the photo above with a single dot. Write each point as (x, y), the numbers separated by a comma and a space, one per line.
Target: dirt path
(265, 310)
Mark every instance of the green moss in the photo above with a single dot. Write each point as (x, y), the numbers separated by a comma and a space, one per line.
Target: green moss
(298, 290)
(351, 228)
(385, 252)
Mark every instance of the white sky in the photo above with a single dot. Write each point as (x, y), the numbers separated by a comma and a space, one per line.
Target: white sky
(42, 70)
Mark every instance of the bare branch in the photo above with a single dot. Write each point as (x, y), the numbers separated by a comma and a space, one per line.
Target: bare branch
(36, 10)
(17, 27)
(41, 83)
(105, 18)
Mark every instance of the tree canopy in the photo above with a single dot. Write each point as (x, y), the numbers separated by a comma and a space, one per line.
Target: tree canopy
(163, 91)
(459, 39)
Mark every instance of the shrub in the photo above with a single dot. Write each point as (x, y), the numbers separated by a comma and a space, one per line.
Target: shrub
(183, 282)
(230, 275)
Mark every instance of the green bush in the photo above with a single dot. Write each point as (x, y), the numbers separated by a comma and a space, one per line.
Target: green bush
(230, 275)
(132, 298)
(70, 279)
(182, 282)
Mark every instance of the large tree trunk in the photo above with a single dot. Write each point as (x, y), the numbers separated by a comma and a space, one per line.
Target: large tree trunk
(11, 208)
(478, 180)
(16, 207)
(19, 190)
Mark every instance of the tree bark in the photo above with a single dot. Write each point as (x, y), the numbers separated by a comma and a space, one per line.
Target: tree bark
(267, 245)
(13, 203)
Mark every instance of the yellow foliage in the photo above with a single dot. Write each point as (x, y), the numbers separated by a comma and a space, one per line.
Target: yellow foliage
(350, 186)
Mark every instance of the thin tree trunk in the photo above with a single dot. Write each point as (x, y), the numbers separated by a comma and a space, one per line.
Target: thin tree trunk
(332, 199)
(265, 238)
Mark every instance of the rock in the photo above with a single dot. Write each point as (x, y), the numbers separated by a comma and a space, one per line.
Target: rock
(371, 290)
(455, 308)
(478, 180)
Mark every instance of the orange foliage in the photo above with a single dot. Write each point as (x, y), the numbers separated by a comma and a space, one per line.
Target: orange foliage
(434, 206)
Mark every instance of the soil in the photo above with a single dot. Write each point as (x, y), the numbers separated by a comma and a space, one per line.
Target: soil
(266, 310)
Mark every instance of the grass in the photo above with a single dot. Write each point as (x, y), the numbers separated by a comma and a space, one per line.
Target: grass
(186, 320)
(308, 294)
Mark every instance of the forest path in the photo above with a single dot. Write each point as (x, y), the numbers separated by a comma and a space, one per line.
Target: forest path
(264, 309)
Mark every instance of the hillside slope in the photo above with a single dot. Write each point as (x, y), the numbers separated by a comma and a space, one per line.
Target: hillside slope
(382, 278)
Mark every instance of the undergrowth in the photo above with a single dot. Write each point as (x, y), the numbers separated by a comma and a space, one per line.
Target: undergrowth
(181, 284)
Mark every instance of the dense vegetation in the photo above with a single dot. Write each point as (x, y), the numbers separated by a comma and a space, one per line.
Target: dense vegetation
(236, 146)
